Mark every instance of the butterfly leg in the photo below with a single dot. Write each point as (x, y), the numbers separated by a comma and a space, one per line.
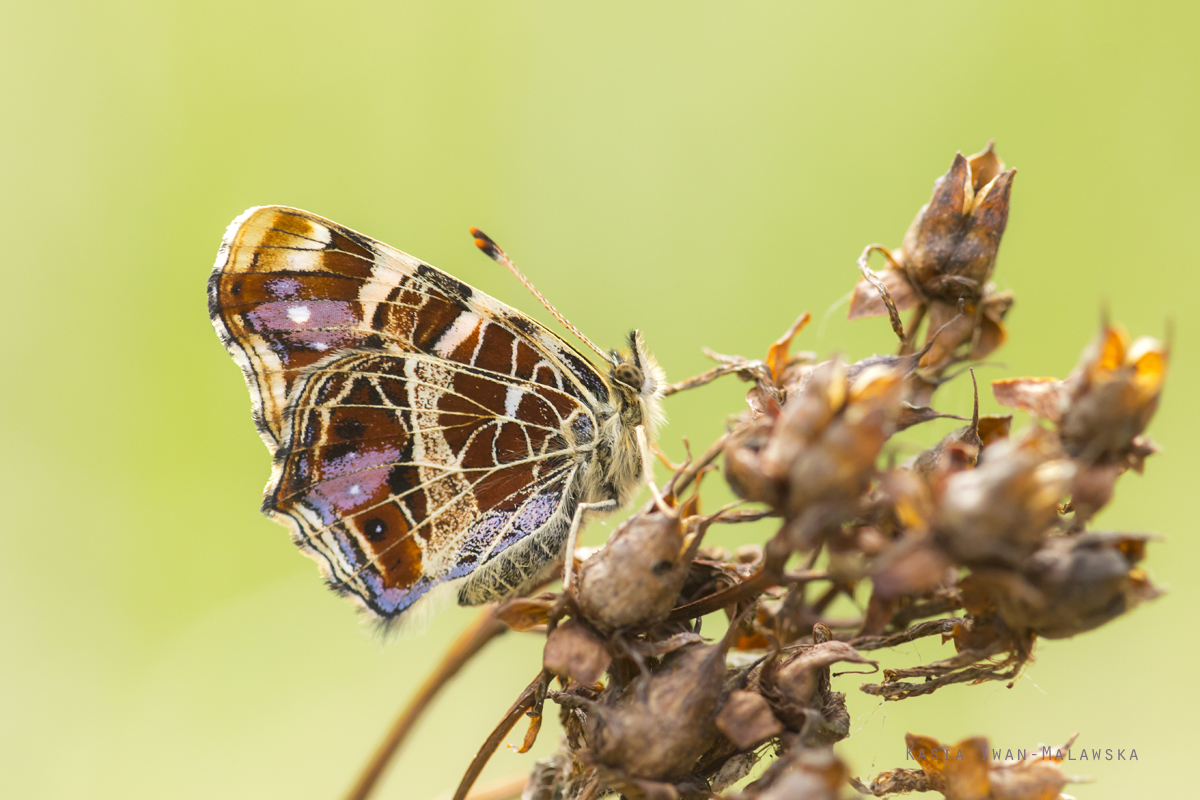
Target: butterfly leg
(573, 534)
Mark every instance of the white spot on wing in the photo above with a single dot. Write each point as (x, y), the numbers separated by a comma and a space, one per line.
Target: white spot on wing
(512, 399)
(299, 314)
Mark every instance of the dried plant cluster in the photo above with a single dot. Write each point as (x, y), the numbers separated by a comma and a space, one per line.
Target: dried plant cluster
(982, 540)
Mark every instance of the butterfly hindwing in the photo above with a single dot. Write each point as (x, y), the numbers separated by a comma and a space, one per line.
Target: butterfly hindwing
(400, 472)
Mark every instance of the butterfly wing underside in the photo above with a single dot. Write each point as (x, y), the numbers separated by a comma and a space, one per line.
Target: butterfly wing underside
(422, 431)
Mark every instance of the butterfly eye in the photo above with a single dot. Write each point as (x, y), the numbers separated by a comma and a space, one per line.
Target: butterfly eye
(629, 375)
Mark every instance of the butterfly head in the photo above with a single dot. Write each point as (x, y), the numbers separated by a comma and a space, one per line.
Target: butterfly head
(639, 382)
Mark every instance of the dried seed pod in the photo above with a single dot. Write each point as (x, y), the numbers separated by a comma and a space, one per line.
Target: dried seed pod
(1071, 585)
(659, 731)
(798, 689)
(1001, 511)
(808, 774)
(743, 464)
(574, 651)
(945, 262)
(635, 578)
(1112, 394)
(950, 248)
(829, 437)
(1104, 405)
(747, 720)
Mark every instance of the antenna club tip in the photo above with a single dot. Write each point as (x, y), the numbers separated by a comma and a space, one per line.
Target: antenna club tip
(485, 243)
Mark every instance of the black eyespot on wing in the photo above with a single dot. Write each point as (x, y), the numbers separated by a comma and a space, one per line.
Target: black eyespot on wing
(375, 529)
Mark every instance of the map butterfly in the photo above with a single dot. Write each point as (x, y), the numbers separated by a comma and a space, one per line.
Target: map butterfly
(426, 437)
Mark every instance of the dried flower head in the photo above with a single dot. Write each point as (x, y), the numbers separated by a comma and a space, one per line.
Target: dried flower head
(970, 540)
(1071, 585)
(1102, 408)
(1004, 509)
(944, 266)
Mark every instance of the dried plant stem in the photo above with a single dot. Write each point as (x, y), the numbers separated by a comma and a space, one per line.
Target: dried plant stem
(751, 587)
(509, 788)
(931, 628)
(873, 279)
(482, 630)
(706, 377)
(684, 477)
(523, 703)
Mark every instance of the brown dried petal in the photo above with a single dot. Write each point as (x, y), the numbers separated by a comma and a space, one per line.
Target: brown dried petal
(1038, 780)
(868, 302)
(1044, 398)
(993, 427)
(525, 613)
(985, 166)
(747, 720)
(992, 333)
(960, 771)
(801, 676)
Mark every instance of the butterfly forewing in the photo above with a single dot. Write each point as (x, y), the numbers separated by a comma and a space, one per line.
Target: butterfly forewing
(420, 428)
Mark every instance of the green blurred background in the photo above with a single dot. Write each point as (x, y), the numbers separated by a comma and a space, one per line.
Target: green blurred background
(702, 171)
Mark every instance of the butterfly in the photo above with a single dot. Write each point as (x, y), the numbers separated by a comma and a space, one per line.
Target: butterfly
(426, 438)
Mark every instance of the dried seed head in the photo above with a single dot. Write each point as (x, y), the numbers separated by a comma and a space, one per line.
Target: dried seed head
(1003, 510)
(747, 720)
(831, 433)
(658, 733)
(635, 578)
(1112, 395)
(743, 464)
(574, 651)
(1071, 585)
(950, 248)
(1105, 404)
(799, 689)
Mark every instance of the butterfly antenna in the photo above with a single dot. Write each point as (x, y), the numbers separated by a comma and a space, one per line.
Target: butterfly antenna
(493, 251)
